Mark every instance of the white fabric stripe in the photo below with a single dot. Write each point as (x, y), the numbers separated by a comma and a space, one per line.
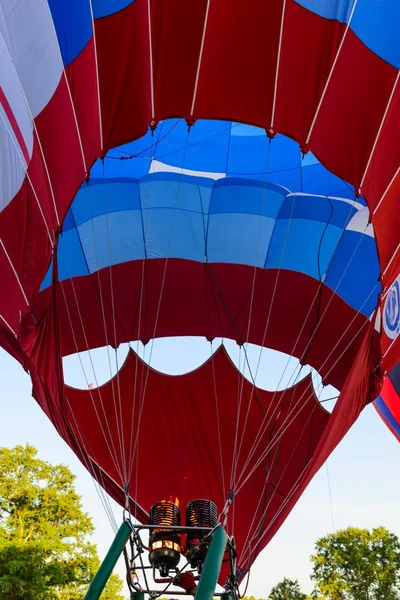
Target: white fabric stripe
(160, 167)
(29, 32)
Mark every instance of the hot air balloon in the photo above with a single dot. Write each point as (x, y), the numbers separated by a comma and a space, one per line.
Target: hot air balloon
(211, 169)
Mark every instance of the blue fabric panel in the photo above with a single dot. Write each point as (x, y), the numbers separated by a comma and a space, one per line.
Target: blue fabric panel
(387, 415)
(73, 24)
(239, 238)
(358, 254)
(69, 221)
(376, 23)
(71, 259)
(103, 8)
(116, 241)
(205, 148)
(334, 212)
(329, 9)
(176, 191)
(117, 168)
(315, 179)
(240, 196)
(174, 233)
(98, 198)
(301, 245)
(219, 147)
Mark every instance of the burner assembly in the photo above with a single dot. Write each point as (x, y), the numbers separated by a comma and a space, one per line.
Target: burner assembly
(200, 540)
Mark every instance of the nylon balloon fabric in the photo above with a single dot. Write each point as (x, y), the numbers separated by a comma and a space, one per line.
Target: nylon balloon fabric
(159, 180)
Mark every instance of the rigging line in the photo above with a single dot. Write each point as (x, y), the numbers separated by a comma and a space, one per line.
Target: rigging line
(313, 392)
(260, 223)
(8, 325)
(112, 451)
(274, 463)
(328, 399)
(266, 503)
(96, 61)
(283, 505)
(330, 495)
(331, 73)
(256, 442)
(104, 498)
(110, 270)
(160, 297)
(143, 393)
(143, 272)
(275, 489)
(117, 415)
(269, 312)
(202, 141)
(15, 273)
(239, 384)
(129, 156)
(380, 129)
(151, 62)
(25, 167)
(196, 83)
(386, 191)
(141, 403)
(327, 358)
(218, 421)
(278, 62)
(35, 129)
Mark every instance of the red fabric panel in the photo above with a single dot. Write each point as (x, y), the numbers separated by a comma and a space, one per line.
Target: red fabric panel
(345, 131)
(239, 61)
(175, 65)
(122, 42)
(309, 45)
(386, 158)
(24, 235)
(86, 103)
(177, 448)
(221, 306)
(388, 242)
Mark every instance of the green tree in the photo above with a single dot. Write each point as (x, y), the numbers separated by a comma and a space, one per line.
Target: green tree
(45, 551)
(287, 589)
(357, 564)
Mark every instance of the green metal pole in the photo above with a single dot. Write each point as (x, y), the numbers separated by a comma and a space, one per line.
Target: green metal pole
(212, 565)
(106, 568)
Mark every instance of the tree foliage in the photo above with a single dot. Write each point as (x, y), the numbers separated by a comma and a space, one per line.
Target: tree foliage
(287, 589)
(45, 551)
(357, 564)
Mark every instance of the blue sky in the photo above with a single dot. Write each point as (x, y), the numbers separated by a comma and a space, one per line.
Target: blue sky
(365, 489)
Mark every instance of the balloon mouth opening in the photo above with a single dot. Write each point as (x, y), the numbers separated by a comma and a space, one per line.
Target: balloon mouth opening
(264, 368)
